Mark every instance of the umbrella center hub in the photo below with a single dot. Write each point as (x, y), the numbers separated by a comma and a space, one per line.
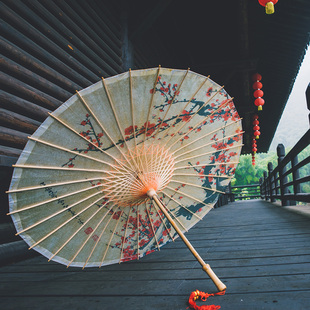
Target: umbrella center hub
(151, 168)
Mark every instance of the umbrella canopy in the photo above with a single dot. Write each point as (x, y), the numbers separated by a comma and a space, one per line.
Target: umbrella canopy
(125, 166)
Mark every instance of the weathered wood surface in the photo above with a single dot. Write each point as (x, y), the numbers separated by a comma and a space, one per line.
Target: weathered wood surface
(259, 250)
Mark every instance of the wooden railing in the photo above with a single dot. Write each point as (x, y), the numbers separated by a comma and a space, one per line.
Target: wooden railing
(246, 191)
(276, 185)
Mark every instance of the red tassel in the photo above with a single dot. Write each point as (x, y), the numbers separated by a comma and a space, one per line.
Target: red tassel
(203, 296)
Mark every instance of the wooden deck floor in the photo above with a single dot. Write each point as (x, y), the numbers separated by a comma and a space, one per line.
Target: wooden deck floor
(259, 250)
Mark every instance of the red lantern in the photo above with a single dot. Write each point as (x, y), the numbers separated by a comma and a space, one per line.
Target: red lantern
(258, 93)
(256, 128)
(256, 134)
(255, 122)
(256, 77)
(259, 102)
(269, 5)
(257, 85)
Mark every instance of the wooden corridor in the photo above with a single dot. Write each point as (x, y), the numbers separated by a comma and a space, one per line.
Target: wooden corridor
(258, 249)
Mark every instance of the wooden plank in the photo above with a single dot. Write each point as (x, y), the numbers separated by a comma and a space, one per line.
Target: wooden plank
(261, 252)
(287, 300)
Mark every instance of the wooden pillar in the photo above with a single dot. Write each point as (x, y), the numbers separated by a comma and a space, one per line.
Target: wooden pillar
(283, 180)
(265, 185)
(308, 99)
(296, 176)
(271, 182)
(261, 187)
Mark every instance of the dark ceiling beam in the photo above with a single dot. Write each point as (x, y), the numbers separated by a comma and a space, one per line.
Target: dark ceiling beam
(240, 64)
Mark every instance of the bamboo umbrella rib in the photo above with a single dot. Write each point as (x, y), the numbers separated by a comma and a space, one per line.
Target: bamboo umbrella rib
(101, 126)
(124, 237)
(75, 153)
(170, 197)
(110, 240)
(175, 94)
(54, 199)
(132, 109)
(58, 168)
(116, 176)
(56, 213)
(169, 211)
(22, 189)
(199, 186)
(188, 102)
(152, 226)
(163, 221)
(150, 106)
(189, 196)
(119, 125)
(81, 227)
(65, 223)
(89, 142)
(203, 154)
(202, 121)
(208, 134)
(202, 175)
(210, 143)
(207, 165)
(90, 235)
(99, 238)
(191, 117)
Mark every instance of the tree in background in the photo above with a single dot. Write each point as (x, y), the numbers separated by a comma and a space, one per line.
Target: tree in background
(246, 174)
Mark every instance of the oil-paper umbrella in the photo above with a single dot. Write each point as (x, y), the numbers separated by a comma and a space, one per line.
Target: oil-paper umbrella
(125, 166)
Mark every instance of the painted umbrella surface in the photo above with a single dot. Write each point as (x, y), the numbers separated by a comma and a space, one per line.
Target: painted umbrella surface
(125, 166)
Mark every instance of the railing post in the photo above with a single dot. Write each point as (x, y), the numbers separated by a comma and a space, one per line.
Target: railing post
(297, 188)
(261, 188)
(265, 185)
(283, 180)
(271, 182)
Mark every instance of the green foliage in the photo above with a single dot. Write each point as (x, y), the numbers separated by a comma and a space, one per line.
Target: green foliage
(246, 174)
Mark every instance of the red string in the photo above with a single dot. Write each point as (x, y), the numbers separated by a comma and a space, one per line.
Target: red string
(203, 296)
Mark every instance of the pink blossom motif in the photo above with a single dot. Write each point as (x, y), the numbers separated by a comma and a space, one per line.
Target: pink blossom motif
(165, 232)
(209, 91)
(142, 243)
(88, 230)
(129, 130)
(185, 116)
(95, 238)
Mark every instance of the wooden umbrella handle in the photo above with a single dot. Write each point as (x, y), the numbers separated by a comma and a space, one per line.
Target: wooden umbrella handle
(218, 283)
(206, 267)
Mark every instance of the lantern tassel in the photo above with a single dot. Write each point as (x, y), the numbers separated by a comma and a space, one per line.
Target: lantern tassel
(269, 8)
(259, 108)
